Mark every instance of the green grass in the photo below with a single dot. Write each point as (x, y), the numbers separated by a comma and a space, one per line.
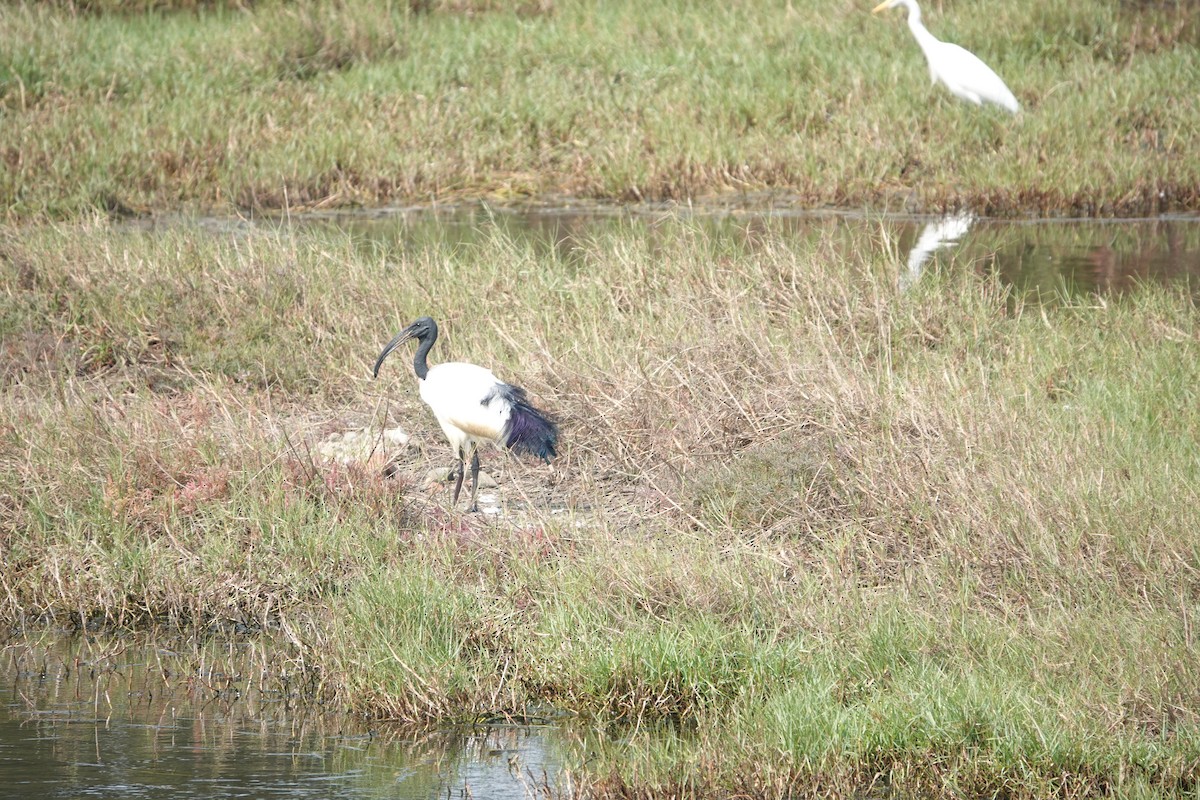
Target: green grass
(815, 534)
(224, 106)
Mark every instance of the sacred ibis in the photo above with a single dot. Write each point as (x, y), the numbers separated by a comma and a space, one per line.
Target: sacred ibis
(474, 406)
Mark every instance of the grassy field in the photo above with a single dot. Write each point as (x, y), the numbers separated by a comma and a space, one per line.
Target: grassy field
(137, 107)
(806, 532)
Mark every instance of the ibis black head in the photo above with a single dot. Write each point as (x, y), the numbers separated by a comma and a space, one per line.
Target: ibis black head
(424, 330)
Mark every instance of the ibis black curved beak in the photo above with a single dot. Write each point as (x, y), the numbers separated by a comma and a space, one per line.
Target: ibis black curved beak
(397, 340)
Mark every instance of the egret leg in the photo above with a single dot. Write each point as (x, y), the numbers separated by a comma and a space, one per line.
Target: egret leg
(474, 481)
(458, 479)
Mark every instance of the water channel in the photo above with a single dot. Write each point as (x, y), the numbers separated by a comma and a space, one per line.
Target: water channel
(106, 718)
(116, 718)
(1040, 258)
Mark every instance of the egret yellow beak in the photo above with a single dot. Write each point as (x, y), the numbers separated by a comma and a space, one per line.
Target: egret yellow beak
(885, 4)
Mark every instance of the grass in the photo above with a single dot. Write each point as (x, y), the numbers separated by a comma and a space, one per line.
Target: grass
(135, 108)
(808, 533)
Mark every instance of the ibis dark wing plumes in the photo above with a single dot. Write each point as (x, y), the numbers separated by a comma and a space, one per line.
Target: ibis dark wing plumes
(527, 430)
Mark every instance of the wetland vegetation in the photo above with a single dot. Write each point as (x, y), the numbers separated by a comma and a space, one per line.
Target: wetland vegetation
(808, 532)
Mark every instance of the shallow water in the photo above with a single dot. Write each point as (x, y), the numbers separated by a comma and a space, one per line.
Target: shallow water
(114, 719)
(1044, 258)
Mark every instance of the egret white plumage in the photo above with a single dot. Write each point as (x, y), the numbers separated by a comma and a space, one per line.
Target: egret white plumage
(963, 73)
(473, 406)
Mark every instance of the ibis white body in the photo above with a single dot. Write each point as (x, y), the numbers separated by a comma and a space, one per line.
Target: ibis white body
(464, 400)
(960, 70)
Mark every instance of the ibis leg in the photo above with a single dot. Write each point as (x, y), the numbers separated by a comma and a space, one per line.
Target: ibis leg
(474, 481)
(458, 479)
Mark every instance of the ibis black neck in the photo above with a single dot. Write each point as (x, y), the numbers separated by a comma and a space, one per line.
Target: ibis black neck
(424, 344)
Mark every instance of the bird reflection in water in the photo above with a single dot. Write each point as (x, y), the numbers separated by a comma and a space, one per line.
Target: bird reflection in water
(940, 233)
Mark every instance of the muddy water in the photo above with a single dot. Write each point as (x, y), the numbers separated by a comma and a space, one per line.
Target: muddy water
(1044, 259)
(117, 719)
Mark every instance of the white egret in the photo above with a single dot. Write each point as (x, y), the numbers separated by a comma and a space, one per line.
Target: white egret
(958, 68)
(473, 406)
